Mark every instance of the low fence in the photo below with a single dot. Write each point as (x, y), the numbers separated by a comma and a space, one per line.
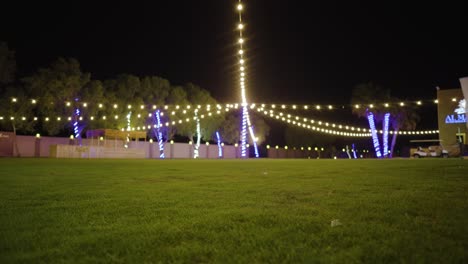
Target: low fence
(30, 146)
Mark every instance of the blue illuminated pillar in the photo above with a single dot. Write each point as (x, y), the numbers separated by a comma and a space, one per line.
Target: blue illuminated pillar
(354, 151)
(158, 133)
(76, 126)
(196, 151)
(129, 128)
(375, 139)
(220, 148)
(254, 140)
(243, 136)
(385, 134)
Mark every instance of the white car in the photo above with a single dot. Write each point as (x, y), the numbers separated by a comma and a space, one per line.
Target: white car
(432, 151)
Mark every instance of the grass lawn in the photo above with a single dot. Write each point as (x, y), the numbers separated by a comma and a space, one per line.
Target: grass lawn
(148, 211)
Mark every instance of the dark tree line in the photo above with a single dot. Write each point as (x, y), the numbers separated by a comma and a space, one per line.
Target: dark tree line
(33, 104)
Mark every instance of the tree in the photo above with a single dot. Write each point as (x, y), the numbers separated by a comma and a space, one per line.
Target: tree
(366, 94)
(93, 94)
(7, 64)
(124, 105)
(15, 110)
(364, 99)
(402, 118)
(209, 124)
(57, 90)
(177, 96)
(14, 105)
(154, 90)
(230, 128)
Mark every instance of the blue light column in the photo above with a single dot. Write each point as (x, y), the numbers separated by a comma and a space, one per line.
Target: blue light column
(76, 126)
(385, 134)
(354, 151)
(243, 137)
(220, 148)
(254, 140)
(159, 136)
(375, 139)
(196, 151)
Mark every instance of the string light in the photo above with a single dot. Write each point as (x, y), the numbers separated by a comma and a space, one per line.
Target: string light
(284, 106)
(320, 126)
(246, 124)
(273, 114)
(318, 122)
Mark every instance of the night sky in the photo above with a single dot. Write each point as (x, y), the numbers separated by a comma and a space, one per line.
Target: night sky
(298, 51)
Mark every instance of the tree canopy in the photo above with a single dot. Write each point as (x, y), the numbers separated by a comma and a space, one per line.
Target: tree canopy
(401, 117)
(52, 95)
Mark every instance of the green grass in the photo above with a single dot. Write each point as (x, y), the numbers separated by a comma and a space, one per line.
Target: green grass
(229, 211)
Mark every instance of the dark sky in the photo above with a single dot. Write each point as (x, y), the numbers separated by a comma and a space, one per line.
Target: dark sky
(297, 51)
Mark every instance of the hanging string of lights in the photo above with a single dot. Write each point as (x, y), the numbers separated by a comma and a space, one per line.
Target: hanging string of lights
(332, 128)
(263, 105)
(315, 125)
(349, 106)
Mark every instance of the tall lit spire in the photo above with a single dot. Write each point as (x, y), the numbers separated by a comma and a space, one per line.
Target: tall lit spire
(246, 125)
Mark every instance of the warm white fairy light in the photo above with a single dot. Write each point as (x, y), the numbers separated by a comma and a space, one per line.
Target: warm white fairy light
(246, 124)
(242, 69)
(363, 132)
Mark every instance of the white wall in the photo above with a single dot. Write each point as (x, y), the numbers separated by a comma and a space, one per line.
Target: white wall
(29, 145)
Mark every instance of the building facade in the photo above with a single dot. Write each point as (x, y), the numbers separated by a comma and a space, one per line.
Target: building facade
(452, 119)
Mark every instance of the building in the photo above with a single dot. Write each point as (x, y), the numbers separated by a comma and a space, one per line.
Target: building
(452, 119)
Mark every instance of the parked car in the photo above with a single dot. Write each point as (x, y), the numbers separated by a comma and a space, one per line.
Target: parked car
(428, 148)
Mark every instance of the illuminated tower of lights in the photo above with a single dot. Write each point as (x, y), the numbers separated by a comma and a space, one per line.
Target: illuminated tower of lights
(245, 123)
